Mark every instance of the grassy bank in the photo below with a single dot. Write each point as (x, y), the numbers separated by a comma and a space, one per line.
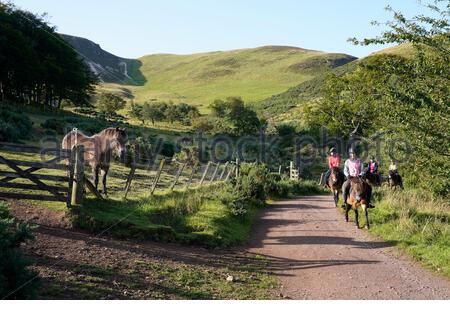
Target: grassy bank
(215, 215)
(417, 224)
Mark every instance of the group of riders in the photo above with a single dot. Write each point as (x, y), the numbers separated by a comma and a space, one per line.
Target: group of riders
(354, 167)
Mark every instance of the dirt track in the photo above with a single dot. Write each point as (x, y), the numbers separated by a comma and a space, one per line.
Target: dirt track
(317, 255)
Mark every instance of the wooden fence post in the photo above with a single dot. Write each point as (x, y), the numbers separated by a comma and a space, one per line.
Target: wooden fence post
(205, 172)
(158, 175)
(179, 172)
(191, 176)
(129, 180)
(237, 167)
(279, 170)
(78, 179)
(224, 169)
(229, 173)
(214, 173)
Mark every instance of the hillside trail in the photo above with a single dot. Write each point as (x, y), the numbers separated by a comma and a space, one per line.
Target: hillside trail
(317, 255)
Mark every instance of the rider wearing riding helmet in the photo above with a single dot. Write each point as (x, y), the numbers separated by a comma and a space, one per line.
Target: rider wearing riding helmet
(334, 161)
(354, 167)
(393, 168)
(373, 165)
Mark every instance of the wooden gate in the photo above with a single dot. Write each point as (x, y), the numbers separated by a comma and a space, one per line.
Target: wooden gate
(56, 187)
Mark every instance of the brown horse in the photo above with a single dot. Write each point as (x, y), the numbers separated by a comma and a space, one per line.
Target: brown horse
(335, 182)
(395, 180)
(98, 149)
(358, 198)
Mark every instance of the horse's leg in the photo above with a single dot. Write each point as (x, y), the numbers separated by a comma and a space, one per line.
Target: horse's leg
(104, 174)
(95, 172)
(356, 218)
(346, 212)
(335, 193)
(366, 214)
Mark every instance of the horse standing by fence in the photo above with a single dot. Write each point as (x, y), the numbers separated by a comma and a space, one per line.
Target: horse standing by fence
(335, 182)
(98, 150)
(358, 198)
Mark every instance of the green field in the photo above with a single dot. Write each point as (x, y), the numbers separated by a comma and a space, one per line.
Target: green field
(253, 74)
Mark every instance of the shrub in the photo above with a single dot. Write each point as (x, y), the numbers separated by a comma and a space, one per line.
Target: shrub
(54, 124)
(14, 126)
(13, 266)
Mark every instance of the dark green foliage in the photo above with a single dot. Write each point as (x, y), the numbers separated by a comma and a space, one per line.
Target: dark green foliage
(14, 125)
(415, 93)
(109, 103)
(36, 65)
(230, 116)
(16, 281)
(168, 149)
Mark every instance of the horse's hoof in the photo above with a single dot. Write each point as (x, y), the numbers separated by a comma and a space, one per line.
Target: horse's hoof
(357, 227)
(366, 227)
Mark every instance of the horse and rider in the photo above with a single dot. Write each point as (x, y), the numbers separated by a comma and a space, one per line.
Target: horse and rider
(356, 190)
(394, 177)
(334, 177)
(371, 174)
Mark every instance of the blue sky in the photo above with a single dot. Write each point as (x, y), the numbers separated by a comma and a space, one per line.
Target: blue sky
(134, 28)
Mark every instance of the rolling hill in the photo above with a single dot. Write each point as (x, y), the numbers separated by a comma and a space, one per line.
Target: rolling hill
(254, 74)
(286, 105)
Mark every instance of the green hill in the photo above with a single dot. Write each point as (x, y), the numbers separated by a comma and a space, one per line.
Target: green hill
(285, 105)
(253, 74)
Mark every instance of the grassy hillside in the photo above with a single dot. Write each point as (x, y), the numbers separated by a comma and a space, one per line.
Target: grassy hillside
(287, 105)
(253, 74)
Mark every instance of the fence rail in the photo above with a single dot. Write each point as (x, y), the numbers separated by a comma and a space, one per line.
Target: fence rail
(26, 170)
(38, 181)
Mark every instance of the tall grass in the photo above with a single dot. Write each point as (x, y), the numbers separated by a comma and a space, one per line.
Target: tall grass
(416, 222)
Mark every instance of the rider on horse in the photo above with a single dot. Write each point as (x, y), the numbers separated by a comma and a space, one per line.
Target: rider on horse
(373, 165)
(373, 169)
(354, 167)
(334, 161)
(393, 168)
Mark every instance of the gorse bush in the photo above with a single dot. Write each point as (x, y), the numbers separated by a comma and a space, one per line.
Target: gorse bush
(14, 125)
(16, 281)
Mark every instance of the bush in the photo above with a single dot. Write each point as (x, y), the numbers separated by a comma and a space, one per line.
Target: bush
(14, 126)
(13, 266)
(53, 124)
(253, 181)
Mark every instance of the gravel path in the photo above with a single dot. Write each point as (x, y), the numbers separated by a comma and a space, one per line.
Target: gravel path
(317, 255)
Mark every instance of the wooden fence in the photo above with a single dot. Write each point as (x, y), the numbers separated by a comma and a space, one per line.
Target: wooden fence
(21, 180)
(26, 172)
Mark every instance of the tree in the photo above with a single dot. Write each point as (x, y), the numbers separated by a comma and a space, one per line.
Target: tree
(153, 111)
(136, 111)
(110, 103)
(349, 105)
(36, 65)
(416, 93)
(243, 120)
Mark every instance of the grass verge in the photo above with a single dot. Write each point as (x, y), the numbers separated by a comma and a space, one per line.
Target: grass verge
(416, 223)
(213, 216)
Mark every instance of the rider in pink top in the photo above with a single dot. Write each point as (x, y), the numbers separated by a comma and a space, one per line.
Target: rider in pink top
(354, 167)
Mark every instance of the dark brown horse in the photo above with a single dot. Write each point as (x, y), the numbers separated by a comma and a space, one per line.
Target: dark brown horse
(374, 179)
(335, 182)
(98, 149)
(358, 198)
(395, 180)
